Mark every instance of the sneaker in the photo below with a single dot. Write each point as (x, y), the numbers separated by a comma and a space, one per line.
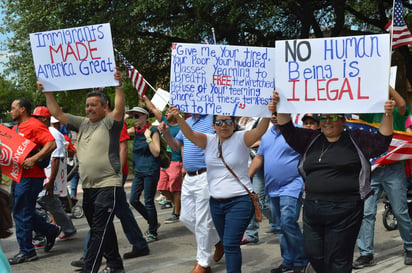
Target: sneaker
(22, 258)
(78, 263)
(136, 253)
(408, 257)
(39, 241)
(112, 270)
(299, 269)
(150, 238)
(147, 232)
(51, 238)
(272, 231)
(173, 219)
(160, 198)
(166, 205)
(282, 269)
(66, 236)
(247, 242)
(363, 261)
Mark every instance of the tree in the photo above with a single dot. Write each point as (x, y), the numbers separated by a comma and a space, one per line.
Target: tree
(144, 30)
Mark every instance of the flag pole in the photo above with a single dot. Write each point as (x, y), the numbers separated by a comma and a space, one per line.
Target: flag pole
(213, 32)
(390, 48)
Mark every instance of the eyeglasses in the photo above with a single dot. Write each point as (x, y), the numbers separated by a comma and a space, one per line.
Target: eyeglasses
(220, 122)
(330, 117)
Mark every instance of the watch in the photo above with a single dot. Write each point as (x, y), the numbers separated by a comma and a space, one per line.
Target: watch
(148, 140)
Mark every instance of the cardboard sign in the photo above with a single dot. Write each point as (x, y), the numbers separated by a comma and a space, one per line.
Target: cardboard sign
(222, 79)
(333, 75)
(74, 58)
(160, 99)
(14, 150)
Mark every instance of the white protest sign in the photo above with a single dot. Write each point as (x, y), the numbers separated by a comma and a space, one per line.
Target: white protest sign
(333, 75)
(74, 58)
(392, 79)
(222, 79)
(160, 99)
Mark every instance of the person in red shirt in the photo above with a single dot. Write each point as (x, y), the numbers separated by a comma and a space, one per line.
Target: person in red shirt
(26, 191)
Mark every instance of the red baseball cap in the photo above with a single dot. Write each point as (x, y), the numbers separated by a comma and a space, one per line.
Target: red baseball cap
(41, 111)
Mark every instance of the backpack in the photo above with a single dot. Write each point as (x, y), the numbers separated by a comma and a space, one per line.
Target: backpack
(164, 155)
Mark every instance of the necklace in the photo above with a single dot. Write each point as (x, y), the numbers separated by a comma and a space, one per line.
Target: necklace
(324, 150)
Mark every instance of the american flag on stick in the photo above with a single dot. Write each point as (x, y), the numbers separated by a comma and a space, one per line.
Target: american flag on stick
(400, 33)
(137, 79)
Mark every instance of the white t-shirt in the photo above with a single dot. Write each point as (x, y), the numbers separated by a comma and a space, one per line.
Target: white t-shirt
(60, 184)
(222, 184)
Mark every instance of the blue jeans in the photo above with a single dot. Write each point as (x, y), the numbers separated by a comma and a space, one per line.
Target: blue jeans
(148, 183)
(252, 231)
(393, 181)
(231, 217)
(25, 217)
(73, 184)
(290, 236)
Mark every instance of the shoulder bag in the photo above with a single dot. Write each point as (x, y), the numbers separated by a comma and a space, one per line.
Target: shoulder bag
(252, 195)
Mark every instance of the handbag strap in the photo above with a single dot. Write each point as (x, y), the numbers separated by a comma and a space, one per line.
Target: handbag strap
(220, 155)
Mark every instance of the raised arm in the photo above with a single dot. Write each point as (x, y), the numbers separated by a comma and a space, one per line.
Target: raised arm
(197, 138)
(400, 103)
(156, 112)
(119, 99)
(256, 133)
(282, 118)
(386, 127)
(52, 105)
(171, 141)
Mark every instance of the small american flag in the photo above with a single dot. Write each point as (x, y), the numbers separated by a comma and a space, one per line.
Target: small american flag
(137, 79)
(401, 34)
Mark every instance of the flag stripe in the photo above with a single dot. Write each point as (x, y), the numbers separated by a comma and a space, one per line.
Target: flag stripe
(137, 79)
(401, 34)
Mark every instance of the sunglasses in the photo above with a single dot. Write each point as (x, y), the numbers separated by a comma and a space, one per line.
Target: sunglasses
(330, 117)
(136, 116)
(220, 122)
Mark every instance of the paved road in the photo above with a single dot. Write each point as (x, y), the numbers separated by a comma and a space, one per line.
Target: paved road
(175, 251)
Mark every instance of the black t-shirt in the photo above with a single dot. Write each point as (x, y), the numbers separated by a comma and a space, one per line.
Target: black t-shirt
(332, 170)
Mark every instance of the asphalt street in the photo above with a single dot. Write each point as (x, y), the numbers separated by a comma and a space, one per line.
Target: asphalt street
(175, 251)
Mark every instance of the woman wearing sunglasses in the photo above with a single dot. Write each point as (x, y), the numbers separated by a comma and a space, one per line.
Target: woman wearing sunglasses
(336, 169)
(230, 204)
(146, 163)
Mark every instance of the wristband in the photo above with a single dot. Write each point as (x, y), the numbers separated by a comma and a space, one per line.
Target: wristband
(149, 140)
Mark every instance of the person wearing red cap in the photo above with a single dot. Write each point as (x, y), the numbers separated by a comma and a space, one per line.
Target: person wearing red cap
(56, 182)
(25, 191)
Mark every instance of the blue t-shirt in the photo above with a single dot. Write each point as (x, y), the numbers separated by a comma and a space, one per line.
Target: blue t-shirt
(282, 177)
(143, 160)
(176, 155)
(194, 157)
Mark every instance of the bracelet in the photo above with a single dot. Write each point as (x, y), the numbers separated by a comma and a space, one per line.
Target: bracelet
(149, 140)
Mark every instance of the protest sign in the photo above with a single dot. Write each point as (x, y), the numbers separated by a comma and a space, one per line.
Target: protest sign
(160, 99)
(14, 150)
(74, 58)
(392, 78)
(222, 79)
(333, 75)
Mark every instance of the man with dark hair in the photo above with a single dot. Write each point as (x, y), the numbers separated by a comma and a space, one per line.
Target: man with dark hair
(99, 165)
(25, 191)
